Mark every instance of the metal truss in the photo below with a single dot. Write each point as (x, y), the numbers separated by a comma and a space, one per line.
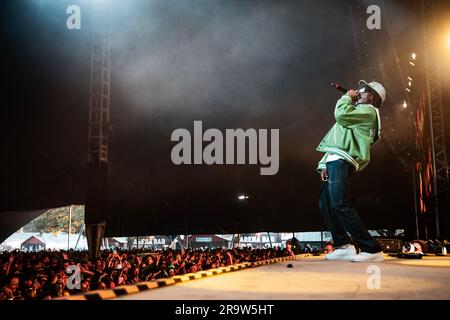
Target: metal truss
(435, 106)
(100, 85)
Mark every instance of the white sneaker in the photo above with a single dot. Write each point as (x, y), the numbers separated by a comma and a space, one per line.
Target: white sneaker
(345, 252)
(368, 257)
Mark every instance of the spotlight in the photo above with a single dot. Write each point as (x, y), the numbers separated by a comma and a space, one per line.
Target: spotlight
(410, 79)
(412, 63)
(242, 197)
(407, 89)
(413, 56)
(405, 105)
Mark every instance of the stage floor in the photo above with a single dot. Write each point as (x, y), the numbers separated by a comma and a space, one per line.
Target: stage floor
(315, 278)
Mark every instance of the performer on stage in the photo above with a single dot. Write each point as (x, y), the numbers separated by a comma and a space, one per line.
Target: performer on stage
(347, 150)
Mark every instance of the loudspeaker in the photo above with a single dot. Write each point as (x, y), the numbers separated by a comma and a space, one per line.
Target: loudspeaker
(390, 245)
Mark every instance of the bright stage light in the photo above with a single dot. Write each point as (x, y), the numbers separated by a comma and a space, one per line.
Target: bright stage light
(242, 197)
(413, 56)
(405, 105)
(412, 63)
(407, 89)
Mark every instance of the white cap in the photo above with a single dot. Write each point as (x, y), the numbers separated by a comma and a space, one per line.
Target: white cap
(375, 86)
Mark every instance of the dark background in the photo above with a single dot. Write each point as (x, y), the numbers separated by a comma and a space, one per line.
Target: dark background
(231, 64)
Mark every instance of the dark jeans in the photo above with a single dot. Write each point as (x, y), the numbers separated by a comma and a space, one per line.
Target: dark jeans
(339, 215)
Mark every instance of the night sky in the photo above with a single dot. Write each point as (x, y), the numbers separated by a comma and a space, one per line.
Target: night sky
(230, 64)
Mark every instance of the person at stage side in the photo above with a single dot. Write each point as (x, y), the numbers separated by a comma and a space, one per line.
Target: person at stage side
(327, 248)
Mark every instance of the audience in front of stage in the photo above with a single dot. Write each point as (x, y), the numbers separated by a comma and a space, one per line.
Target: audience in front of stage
(48, 274)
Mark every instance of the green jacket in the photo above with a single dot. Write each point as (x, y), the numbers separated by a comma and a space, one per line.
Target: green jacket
(356, 129)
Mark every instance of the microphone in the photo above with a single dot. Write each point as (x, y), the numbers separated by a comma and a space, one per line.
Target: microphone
(339, 87)
(342, 89)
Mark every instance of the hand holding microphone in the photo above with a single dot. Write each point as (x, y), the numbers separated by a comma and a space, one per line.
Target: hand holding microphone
(355, 95)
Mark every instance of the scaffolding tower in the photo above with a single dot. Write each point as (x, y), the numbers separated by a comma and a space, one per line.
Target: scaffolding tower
(435, 107)
(98, 135)
(99, 98)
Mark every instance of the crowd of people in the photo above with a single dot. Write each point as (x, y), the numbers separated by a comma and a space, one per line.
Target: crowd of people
(48, 274)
